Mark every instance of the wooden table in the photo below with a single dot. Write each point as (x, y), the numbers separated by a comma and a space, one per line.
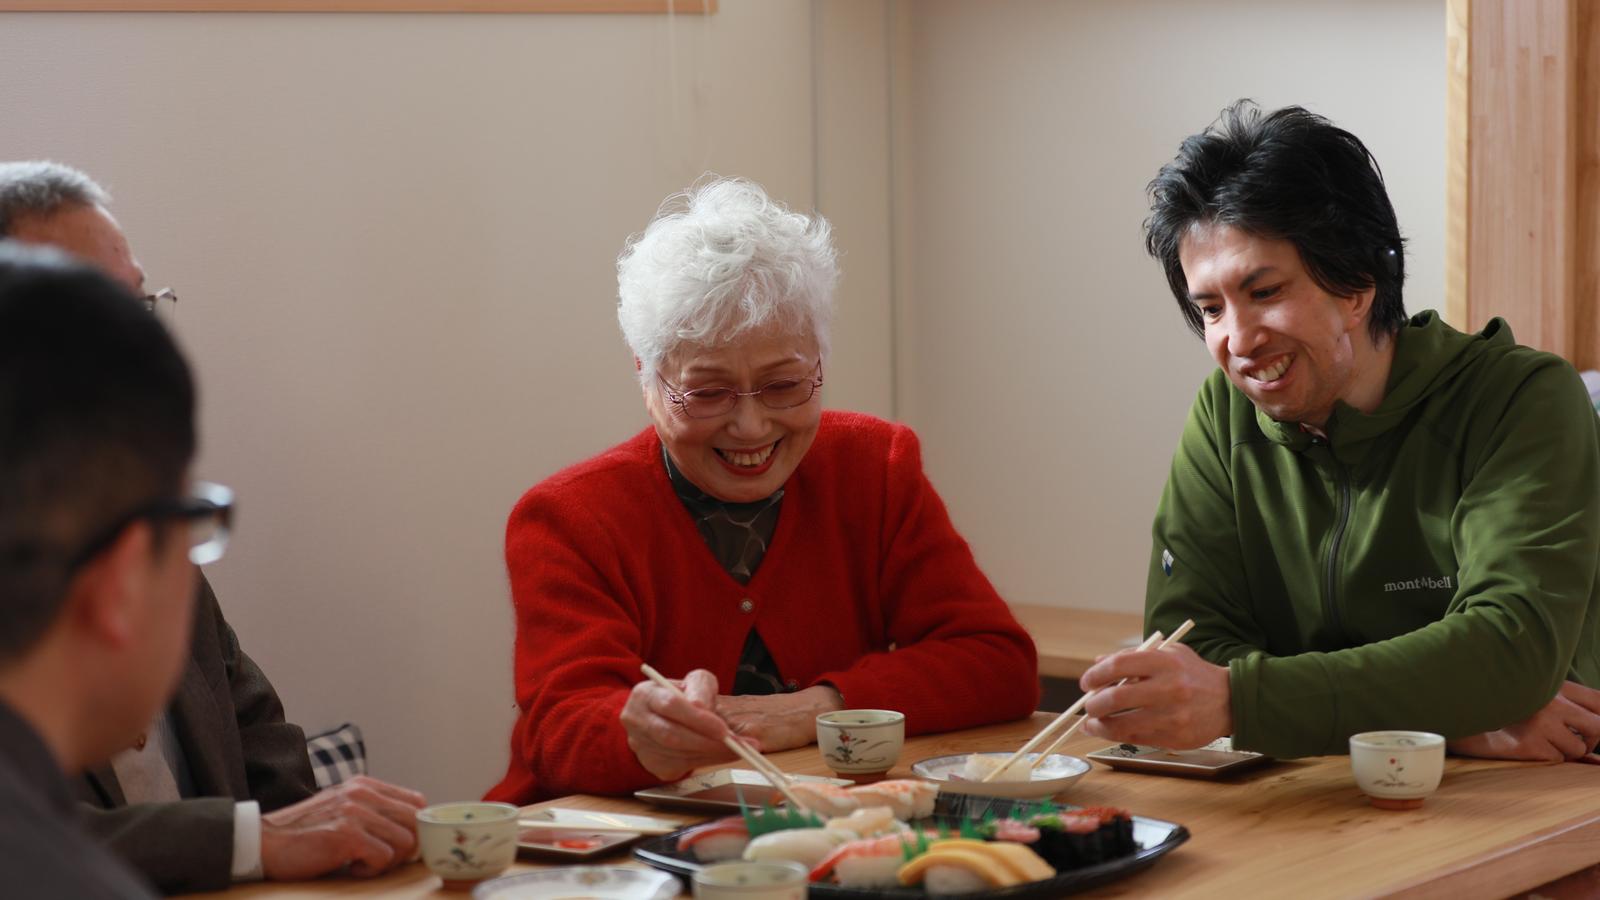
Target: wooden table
(1298, 828)
(1069, 639)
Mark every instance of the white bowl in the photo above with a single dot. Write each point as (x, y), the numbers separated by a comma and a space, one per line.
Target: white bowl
(1397, 769)
(467, 842)
(1051, 777)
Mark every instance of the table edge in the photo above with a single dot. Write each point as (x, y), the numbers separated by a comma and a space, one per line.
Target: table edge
(1491, 875)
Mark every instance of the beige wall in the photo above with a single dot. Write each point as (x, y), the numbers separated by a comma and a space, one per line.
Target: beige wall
(1043, 361)
(394, 237)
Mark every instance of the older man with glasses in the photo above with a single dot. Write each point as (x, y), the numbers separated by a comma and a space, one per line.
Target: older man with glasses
(219, 787)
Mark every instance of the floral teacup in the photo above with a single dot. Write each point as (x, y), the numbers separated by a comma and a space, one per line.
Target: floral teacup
(861, 744)
(1397, 769)
(464, 843)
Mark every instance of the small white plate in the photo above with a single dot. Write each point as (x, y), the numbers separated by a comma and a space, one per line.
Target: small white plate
(598, 882)
(572, 844)
(1050, 778)
(593, 820)
(723, 788)
(1214, 759)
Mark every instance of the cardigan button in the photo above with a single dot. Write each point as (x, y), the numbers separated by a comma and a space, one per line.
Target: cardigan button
(746, 605)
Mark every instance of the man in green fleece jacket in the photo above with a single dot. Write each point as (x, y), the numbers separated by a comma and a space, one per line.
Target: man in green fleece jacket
(1375, 522)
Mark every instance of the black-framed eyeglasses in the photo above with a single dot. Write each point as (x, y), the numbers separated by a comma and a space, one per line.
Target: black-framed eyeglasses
(162, 302)
(209, 514)
(708, 403)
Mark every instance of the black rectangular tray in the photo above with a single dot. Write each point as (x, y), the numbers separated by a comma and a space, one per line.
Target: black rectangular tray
(1154, 837)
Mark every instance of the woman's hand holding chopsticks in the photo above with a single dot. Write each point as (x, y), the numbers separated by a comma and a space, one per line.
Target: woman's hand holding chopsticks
(1172, 699)
(673, 732)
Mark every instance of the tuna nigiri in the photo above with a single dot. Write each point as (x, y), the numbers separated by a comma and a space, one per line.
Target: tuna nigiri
(716, 841)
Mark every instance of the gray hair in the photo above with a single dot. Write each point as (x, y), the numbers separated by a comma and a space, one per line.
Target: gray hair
(720, 260)
(40, 188)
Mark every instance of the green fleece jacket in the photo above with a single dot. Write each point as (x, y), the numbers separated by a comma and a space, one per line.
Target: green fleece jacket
(1431, 566)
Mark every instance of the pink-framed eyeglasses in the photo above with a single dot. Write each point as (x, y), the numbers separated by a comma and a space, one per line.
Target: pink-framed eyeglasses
(708, 403)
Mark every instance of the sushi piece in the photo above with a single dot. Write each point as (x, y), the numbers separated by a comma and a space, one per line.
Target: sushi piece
(1012, 830)
(1084, 837)
(979, 765)
(963, 866)
(826, 800)
(869, 821)
(871, 863)
(716, 841)
(909, 799)
(806, 846)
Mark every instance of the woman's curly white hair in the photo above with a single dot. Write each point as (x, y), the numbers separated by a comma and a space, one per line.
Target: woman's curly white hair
(721, 260)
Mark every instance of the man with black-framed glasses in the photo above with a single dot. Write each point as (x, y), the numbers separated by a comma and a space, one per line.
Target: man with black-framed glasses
(219, 788)
(99, 533)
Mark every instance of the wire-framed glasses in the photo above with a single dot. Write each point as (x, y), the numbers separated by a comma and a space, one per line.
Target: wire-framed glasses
(162, 302)
(208, 512)
(708, 403)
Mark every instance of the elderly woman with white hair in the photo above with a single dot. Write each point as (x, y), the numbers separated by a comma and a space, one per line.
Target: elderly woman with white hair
(781, 560)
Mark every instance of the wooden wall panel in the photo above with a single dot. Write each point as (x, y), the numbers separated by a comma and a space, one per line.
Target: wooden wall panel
(1586, 354)
(1520, 236)
(1457, 215)
(1523, 227)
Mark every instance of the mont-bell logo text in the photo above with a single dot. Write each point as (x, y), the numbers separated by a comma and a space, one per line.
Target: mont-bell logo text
(1166, 560)
(1425, 583)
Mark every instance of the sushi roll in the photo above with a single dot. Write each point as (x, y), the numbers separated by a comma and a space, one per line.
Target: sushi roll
(716, 841)
(806, 846)
(1084, 837)
(871, 863)
(965, 866)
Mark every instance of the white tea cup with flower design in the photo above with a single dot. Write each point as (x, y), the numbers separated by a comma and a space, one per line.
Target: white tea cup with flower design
(464, 843)
(1397, 769)
(861, 744)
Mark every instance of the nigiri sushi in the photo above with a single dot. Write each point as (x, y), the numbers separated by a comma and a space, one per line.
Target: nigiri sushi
(908, 799)
(965, 866)
(716, 841)
(869, 821)
(871, 863)
(826, 800)
(806, 846)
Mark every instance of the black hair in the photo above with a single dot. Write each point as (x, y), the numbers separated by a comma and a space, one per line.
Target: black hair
(96, 419)
(1291, 175)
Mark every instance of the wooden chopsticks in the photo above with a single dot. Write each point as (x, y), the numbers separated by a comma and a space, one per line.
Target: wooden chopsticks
(1036, 740)
(761, 764)
(1177, 635)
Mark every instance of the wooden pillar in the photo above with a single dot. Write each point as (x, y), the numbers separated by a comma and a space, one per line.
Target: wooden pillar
(1523, 171)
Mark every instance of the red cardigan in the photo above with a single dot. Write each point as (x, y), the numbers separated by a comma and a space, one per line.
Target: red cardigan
(866, 586)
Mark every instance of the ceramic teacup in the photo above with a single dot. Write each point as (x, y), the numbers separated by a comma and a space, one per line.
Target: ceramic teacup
(751, 881)
(861, 744)
(1397, 769)
(464, 843)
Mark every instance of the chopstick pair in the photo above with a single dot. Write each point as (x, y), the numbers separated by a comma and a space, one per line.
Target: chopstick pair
(774, 775)
(1036, 740)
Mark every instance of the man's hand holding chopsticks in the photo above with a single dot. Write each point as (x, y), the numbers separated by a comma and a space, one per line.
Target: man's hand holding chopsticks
(1172, 699)
(672, 734)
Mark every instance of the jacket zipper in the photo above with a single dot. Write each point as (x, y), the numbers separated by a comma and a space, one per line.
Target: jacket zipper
(1330, 601)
